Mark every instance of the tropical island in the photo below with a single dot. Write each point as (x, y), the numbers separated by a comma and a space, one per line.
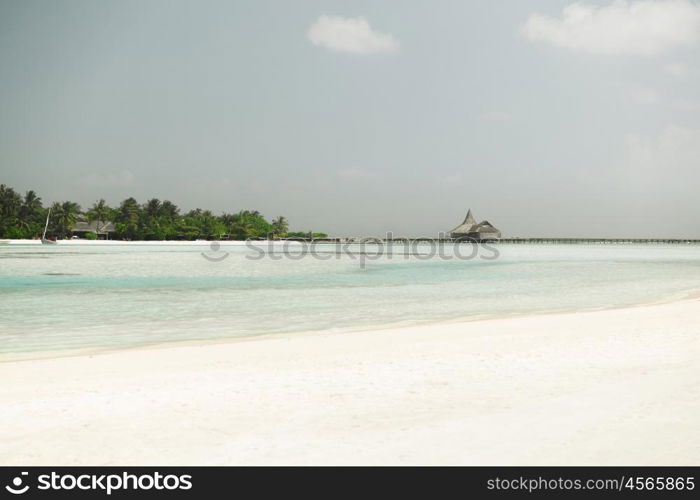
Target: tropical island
(24, 217)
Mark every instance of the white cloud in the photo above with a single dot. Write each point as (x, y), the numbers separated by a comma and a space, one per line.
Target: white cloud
(671, 158)
(677, 69)
(353, 35)
(123, 178)
(686, 104)
(454, 179)
(644, 27)
(496, 117)
(358, 174)
(647, 96)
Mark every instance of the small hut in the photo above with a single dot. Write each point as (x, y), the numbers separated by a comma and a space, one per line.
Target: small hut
(469, 229)
(101, 228)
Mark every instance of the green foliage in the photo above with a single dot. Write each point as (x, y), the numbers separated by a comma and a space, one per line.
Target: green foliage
(246, 224)
(280, 228)
(15, 232)
(24, 217)
(127, 219)
(63, 217)
(100, 213)
(305, 234)
(20, 217)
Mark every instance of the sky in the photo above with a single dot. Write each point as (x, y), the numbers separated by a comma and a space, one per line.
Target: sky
(357, 118)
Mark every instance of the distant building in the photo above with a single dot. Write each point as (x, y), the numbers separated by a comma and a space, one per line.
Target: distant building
(469, 229)
(101, 228)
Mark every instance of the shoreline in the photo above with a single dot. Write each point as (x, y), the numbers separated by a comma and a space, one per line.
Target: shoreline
(15, 242)
(371, 240)
(77, 353)
(615, 386)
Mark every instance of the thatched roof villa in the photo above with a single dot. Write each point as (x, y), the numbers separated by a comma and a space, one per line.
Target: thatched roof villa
(469, 229)
(101, 228)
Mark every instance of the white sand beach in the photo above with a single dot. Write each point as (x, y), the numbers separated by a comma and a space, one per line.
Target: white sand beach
(607, 387)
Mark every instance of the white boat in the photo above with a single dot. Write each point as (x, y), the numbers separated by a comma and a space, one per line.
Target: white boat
(43, 236)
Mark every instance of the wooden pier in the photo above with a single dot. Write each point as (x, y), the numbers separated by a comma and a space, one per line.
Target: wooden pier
(505, 241)
(598, 241)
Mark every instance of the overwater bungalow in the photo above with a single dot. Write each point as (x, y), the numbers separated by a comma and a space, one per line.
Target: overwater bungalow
(470, 229)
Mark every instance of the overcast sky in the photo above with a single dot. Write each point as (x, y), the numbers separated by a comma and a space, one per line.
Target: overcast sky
(359, 117)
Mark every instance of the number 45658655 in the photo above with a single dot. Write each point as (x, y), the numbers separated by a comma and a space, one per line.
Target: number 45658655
(660, 483)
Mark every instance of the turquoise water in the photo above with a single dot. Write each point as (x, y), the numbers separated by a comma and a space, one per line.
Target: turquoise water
(73, 297)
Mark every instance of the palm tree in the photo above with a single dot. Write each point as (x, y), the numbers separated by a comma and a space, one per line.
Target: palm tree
(31, 202)
(169, 210)
(280, 227)
(64, 216)
(10, 202)
(99, 212)
(208, 225)
(128, 217)
(152, 207)
(228, 219)
(238, 225)
(22, 217)
(128, 211)
(28, 212)
(150, 227)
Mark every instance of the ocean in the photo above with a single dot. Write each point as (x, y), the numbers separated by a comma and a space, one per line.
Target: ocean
(86, 297)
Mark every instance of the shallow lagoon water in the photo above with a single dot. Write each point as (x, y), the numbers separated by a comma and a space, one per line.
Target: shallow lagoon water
(72, 297)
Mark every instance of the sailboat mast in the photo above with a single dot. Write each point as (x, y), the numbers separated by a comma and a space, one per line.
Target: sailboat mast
(47, 224)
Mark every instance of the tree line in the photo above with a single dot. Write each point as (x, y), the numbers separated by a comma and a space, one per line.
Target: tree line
(24, 216)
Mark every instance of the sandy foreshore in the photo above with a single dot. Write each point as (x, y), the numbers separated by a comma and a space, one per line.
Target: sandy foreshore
(607, 387)
(99, 243)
